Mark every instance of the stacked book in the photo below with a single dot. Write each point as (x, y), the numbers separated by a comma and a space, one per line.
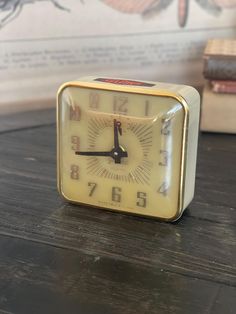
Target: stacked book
(219, 94)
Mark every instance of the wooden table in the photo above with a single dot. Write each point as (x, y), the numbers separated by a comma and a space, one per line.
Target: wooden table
(61, 258)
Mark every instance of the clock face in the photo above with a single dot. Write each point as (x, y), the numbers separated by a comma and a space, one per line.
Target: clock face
(120, 150)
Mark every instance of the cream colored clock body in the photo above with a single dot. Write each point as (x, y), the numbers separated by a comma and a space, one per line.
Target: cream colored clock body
(127, 145)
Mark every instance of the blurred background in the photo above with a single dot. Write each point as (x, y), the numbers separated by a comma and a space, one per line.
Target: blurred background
(44, 43)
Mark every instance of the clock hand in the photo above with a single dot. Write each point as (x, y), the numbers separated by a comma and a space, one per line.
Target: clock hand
(115, 153)
(117, 128)
(89, 153)
(118, 152)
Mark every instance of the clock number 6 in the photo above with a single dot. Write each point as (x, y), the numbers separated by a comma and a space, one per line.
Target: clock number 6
(116, 194)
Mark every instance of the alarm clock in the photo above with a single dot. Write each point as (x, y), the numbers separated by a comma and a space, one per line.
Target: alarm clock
(127, 145)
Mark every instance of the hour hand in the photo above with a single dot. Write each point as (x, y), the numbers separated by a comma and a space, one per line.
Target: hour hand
(117, 129)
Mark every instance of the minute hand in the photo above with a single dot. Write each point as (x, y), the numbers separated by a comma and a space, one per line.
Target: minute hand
(94, 153)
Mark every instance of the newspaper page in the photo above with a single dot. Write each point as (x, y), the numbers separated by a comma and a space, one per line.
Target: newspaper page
(44, 43)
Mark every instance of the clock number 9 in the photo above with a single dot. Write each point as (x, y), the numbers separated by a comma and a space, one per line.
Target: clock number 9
(75, 141)
(142, 199)
(116, 194)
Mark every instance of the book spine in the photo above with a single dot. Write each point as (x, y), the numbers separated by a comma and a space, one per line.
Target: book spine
(220, 69)
(218, 111)
(228, 87)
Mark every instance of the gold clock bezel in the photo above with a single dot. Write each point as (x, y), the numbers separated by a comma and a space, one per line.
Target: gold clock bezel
(131, 90)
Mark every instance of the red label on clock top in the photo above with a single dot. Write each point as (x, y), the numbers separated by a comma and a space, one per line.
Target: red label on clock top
(124, 82)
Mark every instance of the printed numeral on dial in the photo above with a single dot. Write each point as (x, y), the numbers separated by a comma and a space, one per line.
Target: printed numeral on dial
(163, 188)
(74, 172)
(166, 125)
(165, 158)
(120, 104)
(116, 194)
(75, 113)
(94, 100)
(141, 199)
(92, 186)
(75, 143)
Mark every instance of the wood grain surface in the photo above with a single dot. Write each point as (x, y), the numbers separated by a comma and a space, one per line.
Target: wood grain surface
(61, 258)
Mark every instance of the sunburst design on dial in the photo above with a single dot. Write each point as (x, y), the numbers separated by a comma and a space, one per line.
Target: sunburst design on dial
(136, 139)
(144, 134)
(95, 127)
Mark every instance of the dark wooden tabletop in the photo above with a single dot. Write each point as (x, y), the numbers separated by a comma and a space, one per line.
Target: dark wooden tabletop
(60, 258)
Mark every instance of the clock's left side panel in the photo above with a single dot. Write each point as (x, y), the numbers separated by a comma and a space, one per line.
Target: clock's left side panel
(72, 121)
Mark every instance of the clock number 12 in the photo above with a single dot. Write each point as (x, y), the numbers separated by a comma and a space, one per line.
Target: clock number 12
(120, 104)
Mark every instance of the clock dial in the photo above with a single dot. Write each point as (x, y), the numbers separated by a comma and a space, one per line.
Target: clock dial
(135, 141)
(121, 150)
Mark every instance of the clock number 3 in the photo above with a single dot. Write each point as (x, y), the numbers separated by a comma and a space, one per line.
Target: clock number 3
(165, 158)
(166, 125)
